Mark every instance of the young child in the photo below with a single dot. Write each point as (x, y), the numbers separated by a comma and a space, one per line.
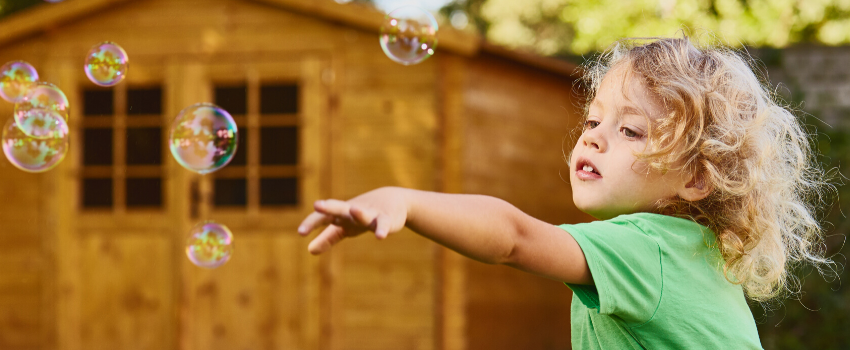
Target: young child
(704, 189)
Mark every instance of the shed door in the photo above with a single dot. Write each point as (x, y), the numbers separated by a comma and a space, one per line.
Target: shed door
(125, 206)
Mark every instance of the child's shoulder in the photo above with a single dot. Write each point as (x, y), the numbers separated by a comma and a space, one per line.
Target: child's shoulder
(659, 225)
(658, 219)
(668, 230)
(655, 226)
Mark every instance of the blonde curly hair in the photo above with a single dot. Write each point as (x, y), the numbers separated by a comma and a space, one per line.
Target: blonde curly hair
(725, 126)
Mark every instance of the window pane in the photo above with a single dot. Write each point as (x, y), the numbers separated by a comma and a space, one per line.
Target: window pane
(144, 192)
(97, 146)
(279, 191)
(144, 101)
(231, 192)
(97, 193)
(241, 148)
(279, 145)
(275, 99)
(97, 102)
(144, 146)
(234, 99)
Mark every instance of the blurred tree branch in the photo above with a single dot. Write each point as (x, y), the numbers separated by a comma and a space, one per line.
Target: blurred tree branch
(575, 27)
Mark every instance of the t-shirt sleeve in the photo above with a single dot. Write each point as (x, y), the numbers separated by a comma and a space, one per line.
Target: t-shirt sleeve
(626, 267)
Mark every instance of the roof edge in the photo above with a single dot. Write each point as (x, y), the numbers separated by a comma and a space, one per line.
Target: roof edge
(45, 16)
(554, 65)
(368, 18)
(464, 43)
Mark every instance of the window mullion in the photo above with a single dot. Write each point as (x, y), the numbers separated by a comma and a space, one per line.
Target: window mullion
(119, 154)
(252, 173)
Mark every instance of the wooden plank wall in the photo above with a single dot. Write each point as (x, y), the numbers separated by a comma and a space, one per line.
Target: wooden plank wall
(516, 133)
(384, 134)
(25, 271)
(27, 265)
(120, 280)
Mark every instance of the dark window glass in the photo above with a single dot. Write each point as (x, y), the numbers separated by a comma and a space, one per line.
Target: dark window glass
(144, 101)
(234, 99)
(231, 192)
(279, 191)
(241, 148)
(97, 146)
(279, 145)
(97, 193)
(144, 146)
(97, 102)
(276, 99)
(144, 192)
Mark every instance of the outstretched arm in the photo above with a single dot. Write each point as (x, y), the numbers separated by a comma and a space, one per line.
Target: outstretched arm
(483, 228)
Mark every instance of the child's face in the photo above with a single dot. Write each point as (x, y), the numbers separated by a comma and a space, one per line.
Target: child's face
(606, 178)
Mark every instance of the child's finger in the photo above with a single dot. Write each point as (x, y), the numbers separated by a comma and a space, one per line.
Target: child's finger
(362, 216)
(312, 221)
(332, 207)
(325, 240)
(382, 226)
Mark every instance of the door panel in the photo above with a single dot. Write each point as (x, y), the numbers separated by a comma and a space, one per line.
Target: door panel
(123, 280)
(126, 292)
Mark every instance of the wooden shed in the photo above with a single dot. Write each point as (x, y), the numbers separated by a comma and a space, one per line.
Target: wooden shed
(92, 252)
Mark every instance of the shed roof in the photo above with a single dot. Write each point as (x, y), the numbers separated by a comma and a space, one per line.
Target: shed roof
(465, 43)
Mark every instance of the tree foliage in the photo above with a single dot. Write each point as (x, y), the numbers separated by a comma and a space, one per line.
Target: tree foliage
(817, 318)
(8, 7)
(575, 27)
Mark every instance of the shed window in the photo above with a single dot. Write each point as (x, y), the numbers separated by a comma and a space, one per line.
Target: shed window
(97, 146)
(234, 99)
(144, 101)
(97, 192)
(97, 102)
(278, 99)
(122, 148)
(263, 172)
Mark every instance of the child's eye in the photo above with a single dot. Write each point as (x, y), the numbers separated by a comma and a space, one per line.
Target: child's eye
(630, 133)
(590, 124)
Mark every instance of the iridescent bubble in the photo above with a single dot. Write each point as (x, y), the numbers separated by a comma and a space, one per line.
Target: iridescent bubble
(36, 154)
(106, 64)
(209, 245)
(42, 96)
(409, 35)
(40, 122)
(16, 78)
(203, 138)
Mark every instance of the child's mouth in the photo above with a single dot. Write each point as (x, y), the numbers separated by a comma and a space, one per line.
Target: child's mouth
(586, 171)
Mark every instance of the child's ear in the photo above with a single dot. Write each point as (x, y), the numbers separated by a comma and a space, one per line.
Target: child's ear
(695, 189)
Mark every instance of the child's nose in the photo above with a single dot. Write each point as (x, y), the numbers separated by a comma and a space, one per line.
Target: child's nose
(592, 139)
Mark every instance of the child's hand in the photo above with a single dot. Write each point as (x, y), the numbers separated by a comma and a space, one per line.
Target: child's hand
(382, 211)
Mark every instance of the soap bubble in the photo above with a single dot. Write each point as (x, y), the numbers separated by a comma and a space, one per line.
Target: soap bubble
(16, 78)
(42, 96)
(209, 245)
(39, 122)
(203, 138)
(36, 154)
(409, 35)
(106, 64)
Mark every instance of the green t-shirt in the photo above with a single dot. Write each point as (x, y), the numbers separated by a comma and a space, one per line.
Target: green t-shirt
(657, 285)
